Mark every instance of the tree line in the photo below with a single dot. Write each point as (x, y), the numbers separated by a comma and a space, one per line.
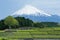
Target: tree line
(11, 22)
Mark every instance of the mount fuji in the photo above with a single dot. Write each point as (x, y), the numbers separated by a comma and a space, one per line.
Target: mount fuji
(35, 14)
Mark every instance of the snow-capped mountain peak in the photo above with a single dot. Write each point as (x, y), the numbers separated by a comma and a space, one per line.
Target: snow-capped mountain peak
(30, 10)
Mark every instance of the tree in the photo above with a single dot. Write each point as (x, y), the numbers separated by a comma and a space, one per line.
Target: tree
(28, 23)
(21, 21)
(58, 24)
(11, 21)
(37, 24)
(24, 21)
(2, 25)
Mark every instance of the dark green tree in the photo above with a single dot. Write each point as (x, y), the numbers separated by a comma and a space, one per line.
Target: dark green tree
(38, 24)
(2, 25)
(24, 22)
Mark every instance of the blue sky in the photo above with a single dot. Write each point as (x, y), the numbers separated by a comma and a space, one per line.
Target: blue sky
(8, 7)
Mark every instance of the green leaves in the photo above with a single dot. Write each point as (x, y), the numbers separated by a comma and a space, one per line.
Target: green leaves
(10, 21)
(23, 22)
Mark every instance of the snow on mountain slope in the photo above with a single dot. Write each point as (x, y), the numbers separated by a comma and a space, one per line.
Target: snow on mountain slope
(30, 10)
(35, 14)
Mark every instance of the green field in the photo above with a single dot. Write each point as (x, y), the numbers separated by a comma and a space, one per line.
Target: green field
(31, 33)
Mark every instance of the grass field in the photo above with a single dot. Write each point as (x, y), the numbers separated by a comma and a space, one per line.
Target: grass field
(31, 33)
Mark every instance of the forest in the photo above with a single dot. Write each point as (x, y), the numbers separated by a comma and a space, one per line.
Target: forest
(11, 22)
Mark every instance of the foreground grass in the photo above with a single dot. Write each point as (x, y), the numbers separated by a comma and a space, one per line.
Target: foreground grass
(32, 33)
